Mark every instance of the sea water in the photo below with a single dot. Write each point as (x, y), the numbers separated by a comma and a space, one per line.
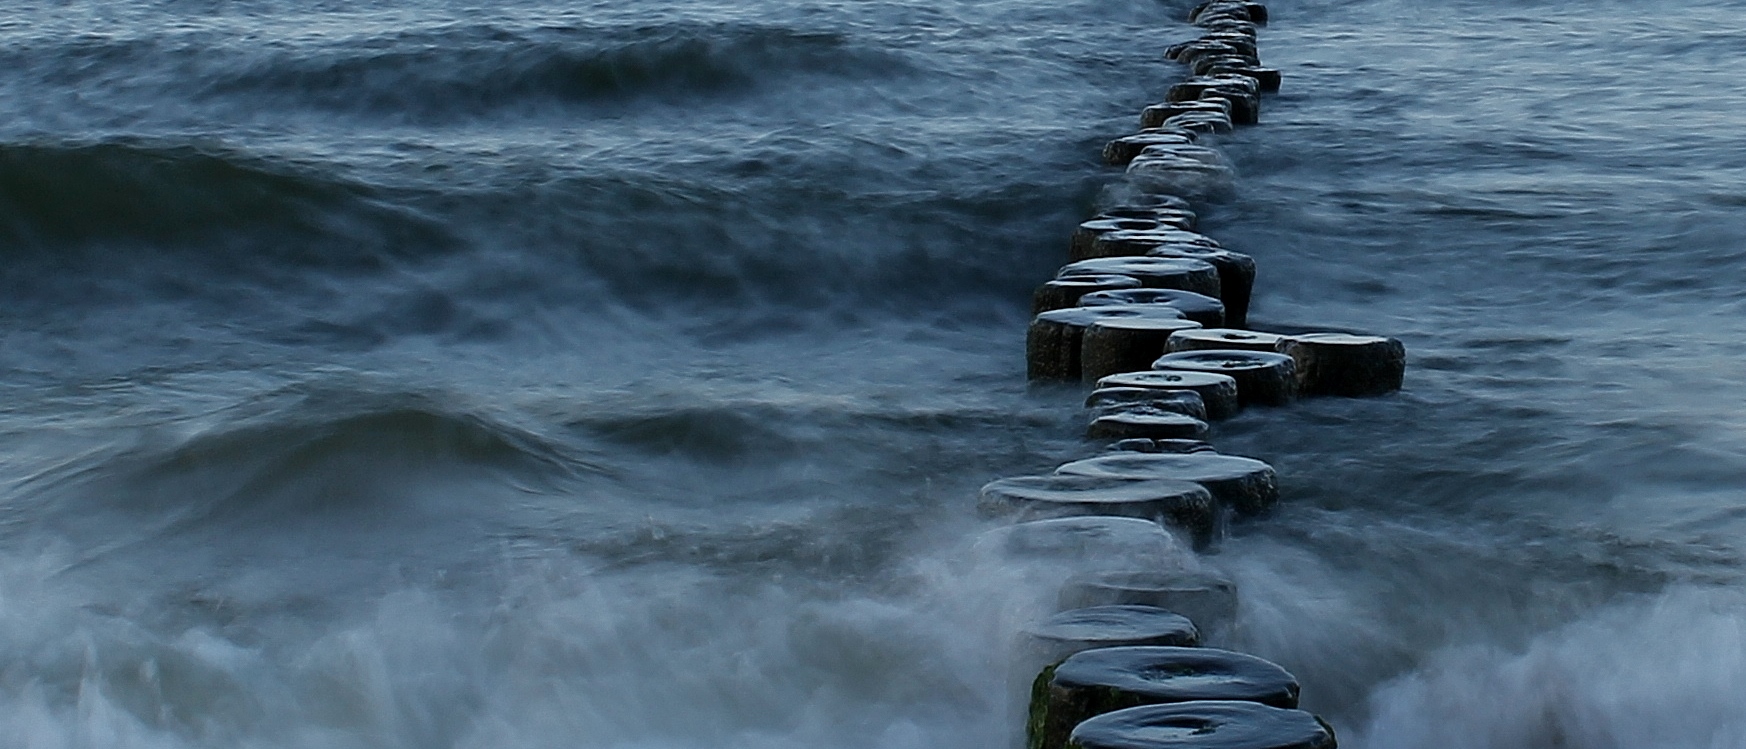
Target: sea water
(420, 373)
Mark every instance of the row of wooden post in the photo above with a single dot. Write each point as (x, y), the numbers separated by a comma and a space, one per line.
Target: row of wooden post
(1153, 316)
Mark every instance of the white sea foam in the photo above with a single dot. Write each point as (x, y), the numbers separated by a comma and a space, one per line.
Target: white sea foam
(1669, 672)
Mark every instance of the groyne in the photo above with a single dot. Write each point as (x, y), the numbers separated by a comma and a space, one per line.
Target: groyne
(1151, 315)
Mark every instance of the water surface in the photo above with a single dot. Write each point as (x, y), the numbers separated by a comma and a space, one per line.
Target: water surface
(413, 374)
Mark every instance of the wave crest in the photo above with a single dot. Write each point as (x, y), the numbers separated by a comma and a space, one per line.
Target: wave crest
(361, 462)
(461, 72)
(52, 195)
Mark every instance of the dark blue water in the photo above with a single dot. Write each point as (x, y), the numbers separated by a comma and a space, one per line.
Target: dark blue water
(416, 374)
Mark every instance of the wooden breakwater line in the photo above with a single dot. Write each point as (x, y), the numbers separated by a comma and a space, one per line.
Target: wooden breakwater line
(1154, 316)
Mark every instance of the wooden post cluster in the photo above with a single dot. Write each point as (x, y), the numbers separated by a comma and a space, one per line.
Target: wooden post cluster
(1155, 315)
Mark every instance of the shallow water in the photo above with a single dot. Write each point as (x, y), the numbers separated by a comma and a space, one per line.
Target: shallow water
(412, 374)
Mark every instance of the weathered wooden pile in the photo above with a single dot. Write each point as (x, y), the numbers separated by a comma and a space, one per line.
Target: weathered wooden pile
(1153, 315)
